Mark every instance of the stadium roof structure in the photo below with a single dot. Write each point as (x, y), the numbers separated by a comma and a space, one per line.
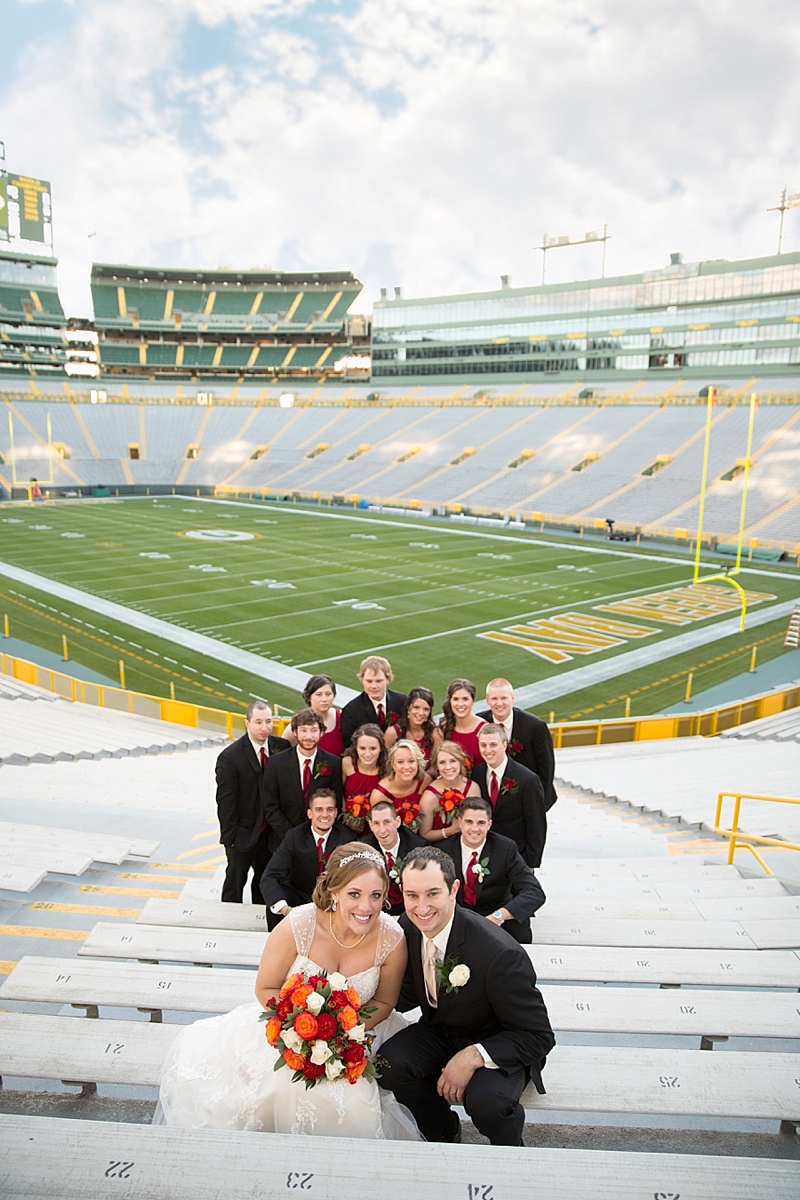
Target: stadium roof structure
(121, 272)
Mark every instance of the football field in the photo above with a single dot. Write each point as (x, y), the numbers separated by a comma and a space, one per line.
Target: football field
(304, 589)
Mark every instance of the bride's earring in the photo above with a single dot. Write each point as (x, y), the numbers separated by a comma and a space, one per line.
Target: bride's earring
(334, 906)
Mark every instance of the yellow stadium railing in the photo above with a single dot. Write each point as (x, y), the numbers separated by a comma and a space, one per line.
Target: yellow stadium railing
(178, 712)
(737, 839)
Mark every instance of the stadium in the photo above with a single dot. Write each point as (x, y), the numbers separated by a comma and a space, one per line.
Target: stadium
(227, 481)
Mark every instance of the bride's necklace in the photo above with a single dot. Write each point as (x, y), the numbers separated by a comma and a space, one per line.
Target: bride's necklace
(344, 945)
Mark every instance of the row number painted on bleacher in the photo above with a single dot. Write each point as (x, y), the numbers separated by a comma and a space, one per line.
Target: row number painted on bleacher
(119, 1170)
(300, 1179)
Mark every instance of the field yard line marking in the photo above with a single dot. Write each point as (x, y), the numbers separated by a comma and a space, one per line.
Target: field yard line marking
(513, 538)
(644, 656)
(254, 664)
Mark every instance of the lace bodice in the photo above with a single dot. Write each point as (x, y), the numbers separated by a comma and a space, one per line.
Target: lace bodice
(304, 922)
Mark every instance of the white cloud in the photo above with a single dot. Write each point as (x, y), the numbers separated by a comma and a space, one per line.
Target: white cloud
(417, 144)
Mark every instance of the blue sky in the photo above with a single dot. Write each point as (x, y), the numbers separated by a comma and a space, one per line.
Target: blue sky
(418, 144)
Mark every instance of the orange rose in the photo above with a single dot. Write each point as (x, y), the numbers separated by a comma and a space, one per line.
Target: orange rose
(273, 1030)
(291, 983)
(300, 994)
(305, 1026)
(295, 1061)
(354, 1071)
(353, 997)
(348, 1017)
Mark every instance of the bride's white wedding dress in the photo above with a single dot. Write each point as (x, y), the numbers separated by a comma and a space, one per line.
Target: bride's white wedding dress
(220, 1074)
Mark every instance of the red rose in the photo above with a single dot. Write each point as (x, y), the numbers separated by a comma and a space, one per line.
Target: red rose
(338, 1000)
(516, 747)
(354, 1053)
(327, 1026)
(313, 1070)
(316, 980)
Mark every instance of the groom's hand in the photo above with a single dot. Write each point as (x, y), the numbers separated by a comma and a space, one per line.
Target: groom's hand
(457, 1073)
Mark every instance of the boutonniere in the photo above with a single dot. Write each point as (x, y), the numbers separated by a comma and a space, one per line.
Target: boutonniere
(394, 719)
(452, 974)
(508, 787)
(321, 770)
(396, 871)
(482, 869)
(515, 748)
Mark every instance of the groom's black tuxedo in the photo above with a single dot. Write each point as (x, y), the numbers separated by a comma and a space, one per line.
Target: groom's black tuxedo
(500, 1006)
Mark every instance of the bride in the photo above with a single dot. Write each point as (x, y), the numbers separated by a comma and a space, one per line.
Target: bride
(219, 1072)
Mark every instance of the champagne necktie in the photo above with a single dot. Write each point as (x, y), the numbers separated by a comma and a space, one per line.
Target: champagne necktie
(429, 972)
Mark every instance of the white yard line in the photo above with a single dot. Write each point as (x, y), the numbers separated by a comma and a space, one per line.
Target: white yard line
(221, 652)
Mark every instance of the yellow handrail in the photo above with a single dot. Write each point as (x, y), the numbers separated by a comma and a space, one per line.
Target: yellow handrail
(741, 841)
(178, 712)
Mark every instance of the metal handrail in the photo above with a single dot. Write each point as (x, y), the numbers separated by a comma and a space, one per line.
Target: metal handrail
(741, 841)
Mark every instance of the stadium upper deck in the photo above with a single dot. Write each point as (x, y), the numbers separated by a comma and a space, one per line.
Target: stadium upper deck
(708, 321)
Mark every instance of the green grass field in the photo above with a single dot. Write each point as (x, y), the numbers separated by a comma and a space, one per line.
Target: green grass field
(317, 590)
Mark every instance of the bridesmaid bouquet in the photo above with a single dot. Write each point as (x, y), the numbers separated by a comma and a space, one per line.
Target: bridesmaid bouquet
(409, 813)
(317, 1026)
(450, 802)
(356, 811)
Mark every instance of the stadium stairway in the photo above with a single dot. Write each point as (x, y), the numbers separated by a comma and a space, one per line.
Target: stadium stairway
(631, 1096)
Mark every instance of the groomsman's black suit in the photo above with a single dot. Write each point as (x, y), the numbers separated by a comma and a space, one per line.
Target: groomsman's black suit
(537, 748)
(408, 840)
(519, 812)
(508, 883)
(240, 806)
(293, 869)
(361, 711)
(285, 806)
(499, 1006)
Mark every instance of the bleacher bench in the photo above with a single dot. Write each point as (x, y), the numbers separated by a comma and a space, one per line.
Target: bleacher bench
(48, 1157)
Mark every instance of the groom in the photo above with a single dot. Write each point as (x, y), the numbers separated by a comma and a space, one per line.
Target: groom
(484, 1030)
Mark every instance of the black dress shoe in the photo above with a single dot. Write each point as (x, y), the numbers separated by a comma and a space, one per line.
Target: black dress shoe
(456, 1136)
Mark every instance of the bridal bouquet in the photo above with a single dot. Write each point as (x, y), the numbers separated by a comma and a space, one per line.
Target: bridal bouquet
(356, 811)
(317, 1026)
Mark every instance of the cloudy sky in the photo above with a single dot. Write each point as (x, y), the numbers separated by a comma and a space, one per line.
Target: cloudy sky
(422, 143)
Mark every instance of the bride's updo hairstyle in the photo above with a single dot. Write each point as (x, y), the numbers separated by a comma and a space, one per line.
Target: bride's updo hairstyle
(345, 864)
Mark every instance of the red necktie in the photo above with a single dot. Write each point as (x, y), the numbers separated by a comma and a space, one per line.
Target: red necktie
(494, 790)
(320, 857)
(395, 893)
(262, 754)
(306, 777)
(471, 881)
(381, 716)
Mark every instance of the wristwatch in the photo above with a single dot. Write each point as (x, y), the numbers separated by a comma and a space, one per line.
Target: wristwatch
(498, 916)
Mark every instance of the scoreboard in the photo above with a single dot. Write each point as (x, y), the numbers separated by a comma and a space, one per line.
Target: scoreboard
(25, 208)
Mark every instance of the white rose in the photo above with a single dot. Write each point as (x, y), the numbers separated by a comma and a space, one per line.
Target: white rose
(314, 1003)
(459, 975)
(334, 1069)
(292, 1040)
(337, 981)
(321, 1052)
(357, 1033)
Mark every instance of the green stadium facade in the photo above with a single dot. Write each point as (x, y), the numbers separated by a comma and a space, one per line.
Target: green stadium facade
(32, 321)
(210, 326)
(706, 321)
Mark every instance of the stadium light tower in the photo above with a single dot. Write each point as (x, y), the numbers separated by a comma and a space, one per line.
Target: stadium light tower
(554, 243)
(787, 201)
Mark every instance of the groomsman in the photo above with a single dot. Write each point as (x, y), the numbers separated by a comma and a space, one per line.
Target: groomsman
(293, 870)
(494, 879)
(292, 777)
(240, 802)
(514, 793)
(377, 704)
(388, 834)
(529, 740)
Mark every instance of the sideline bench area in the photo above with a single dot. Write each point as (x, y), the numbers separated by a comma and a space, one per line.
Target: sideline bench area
(75, 1160)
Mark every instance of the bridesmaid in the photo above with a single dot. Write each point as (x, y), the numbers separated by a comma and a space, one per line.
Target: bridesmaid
(319, 694)
(363, 766)
(404, 782)
(416, 723)
(452, 781)
(459, 724)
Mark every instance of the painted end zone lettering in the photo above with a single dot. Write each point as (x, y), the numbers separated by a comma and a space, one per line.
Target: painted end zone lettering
(578, 633)
(682, 606)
